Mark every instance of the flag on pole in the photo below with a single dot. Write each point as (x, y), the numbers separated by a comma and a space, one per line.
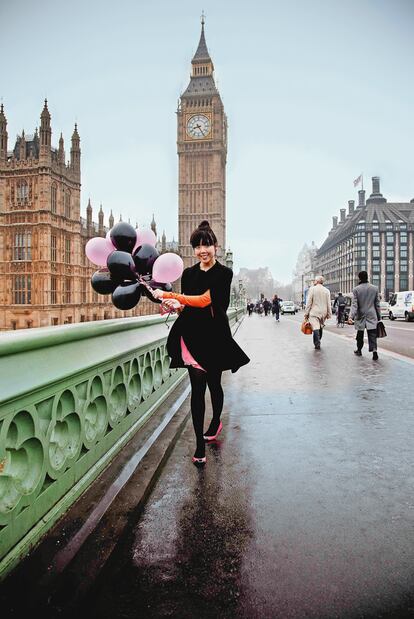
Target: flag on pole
(358, 180)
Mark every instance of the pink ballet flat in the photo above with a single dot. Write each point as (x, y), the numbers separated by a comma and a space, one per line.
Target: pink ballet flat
(199, 461)
(213, 438)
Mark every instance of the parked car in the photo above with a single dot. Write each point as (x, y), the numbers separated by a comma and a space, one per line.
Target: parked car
(287, 307)
(401, 305)
(384, 309)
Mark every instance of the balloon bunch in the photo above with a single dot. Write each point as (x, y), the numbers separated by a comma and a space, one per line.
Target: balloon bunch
(131, 265)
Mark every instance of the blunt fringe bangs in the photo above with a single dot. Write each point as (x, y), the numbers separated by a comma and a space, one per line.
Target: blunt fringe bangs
(203, 236)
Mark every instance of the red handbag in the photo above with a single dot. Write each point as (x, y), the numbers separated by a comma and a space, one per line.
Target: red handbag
(306, 328)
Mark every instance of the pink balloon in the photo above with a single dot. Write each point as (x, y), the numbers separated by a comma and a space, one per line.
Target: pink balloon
(145, 236)
(108, 237)
(98, 250)
(167, 268)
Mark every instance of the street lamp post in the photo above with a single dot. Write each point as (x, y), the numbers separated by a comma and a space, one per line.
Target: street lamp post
(303, 297)
(229, 259)
(229, 265)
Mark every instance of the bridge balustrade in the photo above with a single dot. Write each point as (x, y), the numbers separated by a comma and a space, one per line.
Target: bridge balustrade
(70, 398)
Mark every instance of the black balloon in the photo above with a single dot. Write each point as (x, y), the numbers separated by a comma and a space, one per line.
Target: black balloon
(123, 236)
(144, 257)
(126, 295)
(147, 293)
(121, 266)
(102, 282)
(161, 286)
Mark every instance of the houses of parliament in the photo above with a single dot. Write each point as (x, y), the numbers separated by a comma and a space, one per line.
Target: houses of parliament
(44, 272)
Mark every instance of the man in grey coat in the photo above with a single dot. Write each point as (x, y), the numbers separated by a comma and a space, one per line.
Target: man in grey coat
(365, 313)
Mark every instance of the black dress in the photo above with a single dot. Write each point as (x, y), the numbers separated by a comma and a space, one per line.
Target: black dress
(206, 331)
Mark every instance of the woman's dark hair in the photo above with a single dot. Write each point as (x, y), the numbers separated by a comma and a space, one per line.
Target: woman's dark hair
(203, 235)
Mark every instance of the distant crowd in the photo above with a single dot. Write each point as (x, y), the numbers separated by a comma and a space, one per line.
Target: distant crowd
(264, 307)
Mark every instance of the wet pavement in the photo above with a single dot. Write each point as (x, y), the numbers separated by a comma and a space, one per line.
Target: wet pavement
(305, 507)
(399, 340)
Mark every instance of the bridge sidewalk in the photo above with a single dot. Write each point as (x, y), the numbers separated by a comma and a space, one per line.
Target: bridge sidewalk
(304, 508)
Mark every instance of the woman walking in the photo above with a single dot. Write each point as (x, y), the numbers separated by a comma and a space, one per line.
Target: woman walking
(201, 339)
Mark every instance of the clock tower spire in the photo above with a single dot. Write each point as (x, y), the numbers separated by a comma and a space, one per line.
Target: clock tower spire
(202, 154)
(202, 57)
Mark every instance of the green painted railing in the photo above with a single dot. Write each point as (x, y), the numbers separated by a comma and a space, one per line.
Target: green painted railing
(70, 398)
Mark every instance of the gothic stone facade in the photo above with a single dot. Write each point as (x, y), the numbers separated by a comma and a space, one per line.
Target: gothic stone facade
(202, 153)
(44, 273)
(376, 237)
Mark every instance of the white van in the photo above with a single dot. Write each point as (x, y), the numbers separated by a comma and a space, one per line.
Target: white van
(401, 305)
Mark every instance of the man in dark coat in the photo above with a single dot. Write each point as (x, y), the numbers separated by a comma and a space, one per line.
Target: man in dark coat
(339, 304)
(365, 313)
(276, 307)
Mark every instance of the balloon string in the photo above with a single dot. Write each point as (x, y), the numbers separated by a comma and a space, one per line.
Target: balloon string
(144, 283)
(166, 320)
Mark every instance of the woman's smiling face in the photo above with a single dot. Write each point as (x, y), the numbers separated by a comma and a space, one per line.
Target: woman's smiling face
(205, 253)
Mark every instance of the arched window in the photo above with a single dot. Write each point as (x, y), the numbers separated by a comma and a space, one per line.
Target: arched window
(67, 292)
(22, 248)
(22, 191)
(53, 290)
(67, 250)
(22, 289)
(67, 204)
(53, 248)
(53, 198)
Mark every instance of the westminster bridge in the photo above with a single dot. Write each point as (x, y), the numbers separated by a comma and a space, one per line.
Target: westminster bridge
(304, 508)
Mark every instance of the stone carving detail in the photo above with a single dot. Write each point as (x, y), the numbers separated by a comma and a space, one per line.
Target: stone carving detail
(64, 436)
(134, 390)
(117, 401)
(18, 266)
(147, 375)
(95, 413)
(22, 448)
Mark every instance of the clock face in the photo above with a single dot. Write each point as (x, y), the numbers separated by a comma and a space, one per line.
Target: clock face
(198, 126)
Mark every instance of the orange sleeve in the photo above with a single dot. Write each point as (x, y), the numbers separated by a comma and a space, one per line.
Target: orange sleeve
(199, 300)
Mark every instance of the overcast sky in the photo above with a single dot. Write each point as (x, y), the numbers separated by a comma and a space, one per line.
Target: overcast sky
(316, 92)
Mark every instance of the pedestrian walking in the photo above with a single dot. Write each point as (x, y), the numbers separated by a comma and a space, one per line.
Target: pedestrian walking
(318, 309)
(200, 339)
(250, 308)
(365, 314)
(276, 307)
(266, 306)
(340, 305)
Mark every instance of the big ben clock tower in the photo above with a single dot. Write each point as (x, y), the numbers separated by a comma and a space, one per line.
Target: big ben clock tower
(202, 152)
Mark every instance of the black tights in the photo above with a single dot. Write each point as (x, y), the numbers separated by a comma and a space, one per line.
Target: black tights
(199, 381)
